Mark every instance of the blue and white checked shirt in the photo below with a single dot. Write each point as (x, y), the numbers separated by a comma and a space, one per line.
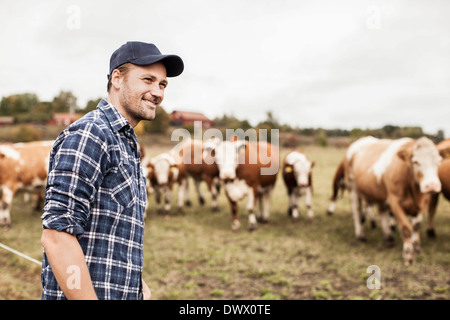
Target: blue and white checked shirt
(96, 191)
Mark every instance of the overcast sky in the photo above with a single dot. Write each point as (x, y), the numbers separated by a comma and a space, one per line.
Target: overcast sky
(330, 64)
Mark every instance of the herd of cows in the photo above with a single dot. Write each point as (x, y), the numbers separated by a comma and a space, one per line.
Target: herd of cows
(400, 178)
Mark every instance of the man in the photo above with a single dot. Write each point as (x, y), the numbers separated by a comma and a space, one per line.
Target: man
(95, 199)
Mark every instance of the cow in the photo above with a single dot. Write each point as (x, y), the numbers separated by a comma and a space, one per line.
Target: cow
(444, 176)
(23, 166)
(397, 176)
(339, 186)
(247, 168)
(297, 177)
(194, 161)
(162, 174)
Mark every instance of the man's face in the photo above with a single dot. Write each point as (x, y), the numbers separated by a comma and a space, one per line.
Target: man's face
(141, 91)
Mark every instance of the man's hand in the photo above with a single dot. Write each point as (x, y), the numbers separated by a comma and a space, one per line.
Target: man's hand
(146, 291)
(68, 264)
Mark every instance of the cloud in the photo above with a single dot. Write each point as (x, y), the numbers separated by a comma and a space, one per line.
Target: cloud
(321, 64)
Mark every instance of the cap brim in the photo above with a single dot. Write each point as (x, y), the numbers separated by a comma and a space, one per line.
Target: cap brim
(173, 63)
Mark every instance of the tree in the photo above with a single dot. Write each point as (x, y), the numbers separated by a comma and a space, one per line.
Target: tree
(270, 121)
(65, 101)
(90, 105)
(160, 123)
(18, 103)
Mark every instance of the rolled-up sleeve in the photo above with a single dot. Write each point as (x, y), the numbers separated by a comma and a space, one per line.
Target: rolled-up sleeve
(77, 163)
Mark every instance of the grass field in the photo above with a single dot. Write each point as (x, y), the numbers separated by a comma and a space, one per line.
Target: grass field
(195, 255)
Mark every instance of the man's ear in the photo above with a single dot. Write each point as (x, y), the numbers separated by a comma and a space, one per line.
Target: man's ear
(116, 79)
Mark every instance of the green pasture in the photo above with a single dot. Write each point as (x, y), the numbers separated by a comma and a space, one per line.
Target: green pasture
(195, 255)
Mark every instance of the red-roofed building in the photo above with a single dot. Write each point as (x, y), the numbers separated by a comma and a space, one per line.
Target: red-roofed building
(64, 118)
(179, 118)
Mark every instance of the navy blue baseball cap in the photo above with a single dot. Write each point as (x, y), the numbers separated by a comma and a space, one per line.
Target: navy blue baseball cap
(142, 54)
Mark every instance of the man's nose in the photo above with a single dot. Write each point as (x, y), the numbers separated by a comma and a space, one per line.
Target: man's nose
(157, 93)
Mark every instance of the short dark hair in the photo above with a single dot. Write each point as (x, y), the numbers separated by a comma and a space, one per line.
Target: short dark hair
(124, 68)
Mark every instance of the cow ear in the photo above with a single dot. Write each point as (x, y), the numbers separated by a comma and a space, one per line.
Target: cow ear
(445, 153)
(312, 164)
(404, 154)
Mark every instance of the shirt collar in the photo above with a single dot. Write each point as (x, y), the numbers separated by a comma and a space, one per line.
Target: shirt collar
(116, 120)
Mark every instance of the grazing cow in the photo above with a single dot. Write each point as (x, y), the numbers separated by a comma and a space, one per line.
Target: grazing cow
(444, 176)
(247, 168)
(23, 166)
(162, 174)
(194, 160)
(396, 175)
(297, 177)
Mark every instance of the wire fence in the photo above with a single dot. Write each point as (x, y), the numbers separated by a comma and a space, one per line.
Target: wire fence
(20, 254)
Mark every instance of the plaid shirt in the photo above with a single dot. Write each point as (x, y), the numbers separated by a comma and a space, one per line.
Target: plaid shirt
(96, 191)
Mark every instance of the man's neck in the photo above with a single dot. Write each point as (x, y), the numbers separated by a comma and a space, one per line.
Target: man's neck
(114, 100)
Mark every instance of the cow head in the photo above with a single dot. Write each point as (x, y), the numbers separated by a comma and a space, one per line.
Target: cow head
(227, 155)
(163, 168)
(424, 158)
(300, 166)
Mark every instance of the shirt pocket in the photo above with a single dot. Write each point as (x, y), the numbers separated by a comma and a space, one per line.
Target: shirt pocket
(124, 189)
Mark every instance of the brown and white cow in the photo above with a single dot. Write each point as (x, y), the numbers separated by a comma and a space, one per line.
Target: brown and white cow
(194, 160)
(444, 176)
(162, 174)
(23, 166)
(248, 169)
(339, 186)
(297, 177)
(396, 175)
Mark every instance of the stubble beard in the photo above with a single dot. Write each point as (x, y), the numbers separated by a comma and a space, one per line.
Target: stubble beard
(136, 109)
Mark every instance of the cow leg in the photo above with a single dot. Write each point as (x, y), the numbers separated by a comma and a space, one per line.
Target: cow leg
(5, 214)
(158, 199)
(369, 212)
(415, 238)
(235, 225)
(201, 199)
(260, 207)
(187, 196)
(331, 207)
(356, 210)
(181, 192)
(214, 195)
(212, 185)
(168, 199)
(293, 205)
(405, 230)
(431, 233)
(252, 198)
(308, 203)
(385, 217)
(266, 209)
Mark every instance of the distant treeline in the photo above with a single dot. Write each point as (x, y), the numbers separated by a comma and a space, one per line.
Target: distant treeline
(26, 108)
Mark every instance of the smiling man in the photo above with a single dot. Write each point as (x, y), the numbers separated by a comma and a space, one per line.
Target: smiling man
(95, 198)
